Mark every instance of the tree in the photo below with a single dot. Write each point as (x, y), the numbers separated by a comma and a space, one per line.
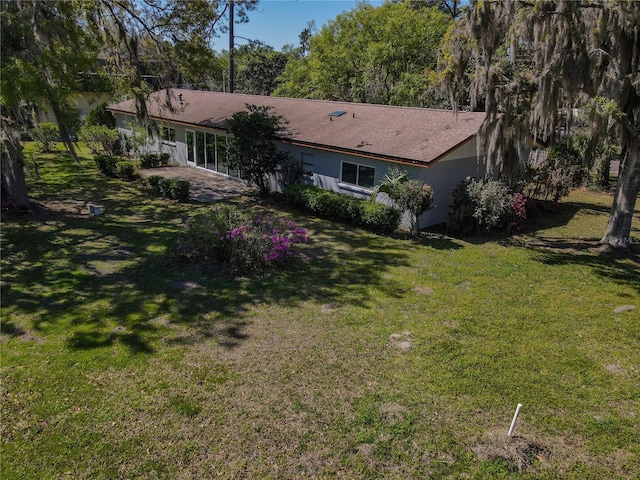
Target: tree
(252, 149)
(47, 45)
(372, 55)
(407, 194)
(450, 7)
(536, 63)
(258, 67)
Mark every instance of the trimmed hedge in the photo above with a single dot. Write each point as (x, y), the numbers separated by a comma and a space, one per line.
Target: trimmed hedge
(175, 189)
(126, 171)
(116, 167)
(179, 190)
(154, 160)
(337, 206)
(106, 164)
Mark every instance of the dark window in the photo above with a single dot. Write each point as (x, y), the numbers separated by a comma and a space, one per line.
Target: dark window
(366, 176)
(169, 134)
(350, 173)
(360, 175)
(306, 161)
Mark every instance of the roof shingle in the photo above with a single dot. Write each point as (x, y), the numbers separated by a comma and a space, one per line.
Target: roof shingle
(411, 134)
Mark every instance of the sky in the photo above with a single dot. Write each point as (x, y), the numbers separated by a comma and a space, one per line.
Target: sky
(279, 22)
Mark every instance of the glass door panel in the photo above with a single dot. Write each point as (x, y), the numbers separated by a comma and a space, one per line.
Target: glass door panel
(221, 154)
(200, 149)
(211, 151)
(190, 146)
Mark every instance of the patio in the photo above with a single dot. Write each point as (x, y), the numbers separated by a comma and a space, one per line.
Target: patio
(205, 187)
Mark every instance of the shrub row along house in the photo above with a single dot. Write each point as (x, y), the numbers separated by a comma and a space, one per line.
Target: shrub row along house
(341, 146)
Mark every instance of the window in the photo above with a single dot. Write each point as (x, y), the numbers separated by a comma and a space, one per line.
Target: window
(168, 134)
(191, 140)
(360, 175)
(306, 162)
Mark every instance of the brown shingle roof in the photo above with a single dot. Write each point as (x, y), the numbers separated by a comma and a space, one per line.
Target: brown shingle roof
(402, 133)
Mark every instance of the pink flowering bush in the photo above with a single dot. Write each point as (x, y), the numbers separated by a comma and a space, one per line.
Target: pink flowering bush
(518, 212)
(228, 237)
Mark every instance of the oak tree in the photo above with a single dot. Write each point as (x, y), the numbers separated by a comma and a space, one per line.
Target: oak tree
(536, 65)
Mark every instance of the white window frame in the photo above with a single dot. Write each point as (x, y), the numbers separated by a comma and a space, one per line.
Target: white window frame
(358, 165)
(163, 135)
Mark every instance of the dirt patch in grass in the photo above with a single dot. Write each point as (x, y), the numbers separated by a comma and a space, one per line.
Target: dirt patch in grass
(328, 308)
(423, 290)
(518, 452)
(401, 341)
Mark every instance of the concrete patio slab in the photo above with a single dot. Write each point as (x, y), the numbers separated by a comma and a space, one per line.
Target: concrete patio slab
(205, 187)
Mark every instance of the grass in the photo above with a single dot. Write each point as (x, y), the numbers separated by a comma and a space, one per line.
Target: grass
(378, 358)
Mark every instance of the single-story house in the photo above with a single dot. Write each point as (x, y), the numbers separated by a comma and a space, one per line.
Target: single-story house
(341, 146)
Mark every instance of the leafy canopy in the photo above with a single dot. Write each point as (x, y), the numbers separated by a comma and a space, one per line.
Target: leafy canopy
(383, 55)
(252, 149)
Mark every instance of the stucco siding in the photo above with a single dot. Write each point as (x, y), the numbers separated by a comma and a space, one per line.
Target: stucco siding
(324, 168)
(443, 177)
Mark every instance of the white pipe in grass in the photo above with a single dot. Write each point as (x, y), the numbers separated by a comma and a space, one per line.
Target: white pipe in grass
(515, 417)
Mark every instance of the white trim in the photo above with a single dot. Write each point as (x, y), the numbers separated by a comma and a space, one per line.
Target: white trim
(342, 182)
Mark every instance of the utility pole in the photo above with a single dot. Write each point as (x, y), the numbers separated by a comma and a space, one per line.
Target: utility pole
(231, 44)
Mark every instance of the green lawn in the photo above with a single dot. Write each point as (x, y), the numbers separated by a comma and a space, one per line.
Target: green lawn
(377, 358)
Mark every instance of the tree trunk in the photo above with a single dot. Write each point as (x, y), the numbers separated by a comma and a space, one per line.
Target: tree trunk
(13, 179)
(618, 230)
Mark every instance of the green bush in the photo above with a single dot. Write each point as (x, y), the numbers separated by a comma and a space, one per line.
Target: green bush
(337, 206)
(380, 217)
(47, 134)
(126, 171)
(553, 178)
(153, 181)
(227, 236)
(100, 116)
(164, 187)
(175, 189)
(107, 164)
(101, 139)
(154, 160)
(484, 205)
(179, 190)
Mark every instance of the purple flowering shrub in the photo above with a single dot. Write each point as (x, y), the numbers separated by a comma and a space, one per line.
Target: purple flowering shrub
(228, 237)
(518, 212)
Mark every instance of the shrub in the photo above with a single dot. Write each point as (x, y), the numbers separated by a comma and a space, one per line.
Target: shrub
(337, 206)
(47, 134)
(125, 171)
(380, 217)
(179, 190)
(483, 205)
(154, 160)
(101, 139)
(228, 237)
(100, 116)
(407, 194)
(106, 164)
(164, 187)
(175, 189)
(153, 181)
(554, 177)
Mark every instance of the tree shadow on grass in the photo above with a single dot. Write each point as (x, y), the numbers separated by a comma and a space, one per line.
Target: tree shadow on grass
(621, 268)
(98, 282)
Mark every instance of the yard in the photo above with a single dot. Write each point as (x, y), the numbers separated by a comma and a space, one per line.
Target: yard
(378, 357)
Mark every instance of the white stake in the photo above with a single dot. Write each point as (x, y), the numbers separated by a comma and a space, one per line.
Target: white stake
(515, 417)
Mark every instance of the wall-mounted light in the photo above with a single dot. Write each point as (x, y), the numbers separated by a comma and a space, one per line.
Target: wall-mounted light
(180, 98)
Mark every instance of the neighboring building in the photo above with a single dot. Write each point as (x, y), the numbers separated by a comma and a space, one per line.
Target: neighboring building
(345, 147)
(84, 102)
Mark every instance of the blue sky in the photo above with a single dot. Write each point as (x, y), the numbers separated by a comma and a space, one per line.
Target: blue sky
(279, 22)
